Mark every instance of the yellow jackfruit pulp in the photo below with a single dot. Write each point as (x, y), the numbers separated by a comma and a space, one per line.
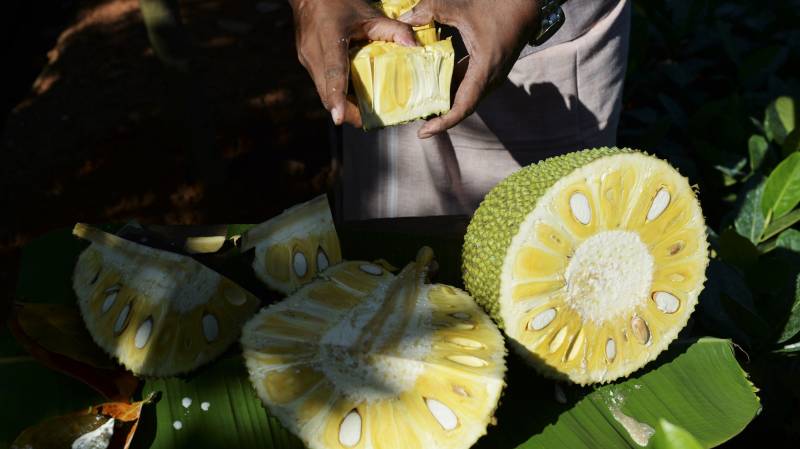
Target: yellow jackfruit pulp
(360, 358)
(159, 313)
(292, 248)
(396, 84)
(592, 261)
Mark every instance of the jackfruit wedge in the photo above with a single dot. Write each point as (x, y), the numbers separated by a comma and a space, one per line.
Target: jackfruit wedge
(592, 261)
(159, 313)
(396, 84)
(293, 247)
(360, 358)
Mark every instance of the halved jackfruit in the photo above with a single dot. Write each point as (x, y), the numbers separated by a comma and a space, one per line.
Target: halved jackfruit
(396, 84)
(293, 247)
(363, 359)
(159, 313)
(591, 261)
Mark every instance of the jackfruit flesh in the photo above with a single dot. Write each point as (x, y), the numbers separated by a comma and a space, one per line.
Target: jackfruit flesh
(293, 247)
(396, 84)
(360, 358)
(592, 261)
(159, 313)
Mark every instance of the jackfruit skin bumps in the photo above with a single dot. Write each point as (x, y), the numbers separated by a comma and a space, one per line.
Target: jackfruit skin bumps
(396, 84)
(490, 231)
(591, 262)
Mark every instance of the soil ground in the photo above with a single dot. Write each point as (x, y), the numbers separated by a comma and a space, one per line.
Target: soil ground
(98, 138)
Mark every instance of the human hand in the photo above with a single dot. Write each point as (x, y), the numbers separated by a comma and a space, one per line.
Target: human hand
(494, 33)
(323, 31)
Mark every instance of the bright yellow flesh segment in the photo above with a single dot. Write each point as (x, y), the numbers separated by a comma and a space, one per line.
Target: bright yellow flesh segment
(158, 313)
(387, 361)
(292, 248)
(396, 84)
(617, 199)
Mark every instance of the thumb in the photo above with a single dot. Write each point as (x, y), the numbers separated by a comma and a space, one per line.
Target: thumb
(385, 29)
(421, 14)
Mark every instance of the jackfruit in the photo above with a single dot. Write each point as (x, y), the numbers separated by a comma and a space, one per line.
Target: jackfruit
(591, 262)
(396, 84)
(360, 358)
(293, 247)
(159, 313)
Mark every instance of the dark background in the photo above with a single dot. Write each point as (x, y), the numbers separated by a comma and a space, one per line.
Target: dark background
(97, 129)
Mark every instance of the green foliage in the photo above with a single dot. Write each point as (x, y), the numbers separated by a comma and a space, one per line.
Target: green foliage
(729, 74)
(670, 436)
(782, 190)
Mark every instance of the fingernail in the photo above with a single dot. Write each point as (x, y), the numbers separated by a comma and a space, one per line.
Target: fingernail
(336, 115)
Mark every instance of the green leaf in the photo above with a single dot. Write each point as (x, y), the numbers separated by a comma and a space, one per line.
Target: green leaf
(757, 147)
(789, 239)
(670, 436)
(235, 416)
(749, 220)
(713, 408)
(779, 119)
(782, 190)
(779, 225)
(792, 326)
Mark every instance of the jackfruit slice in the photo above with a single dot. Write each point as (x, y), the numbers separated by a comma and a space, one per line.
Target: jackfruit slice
(293, 247)
(592, 261)
(363, 359)
(159, 313)
(396, 84)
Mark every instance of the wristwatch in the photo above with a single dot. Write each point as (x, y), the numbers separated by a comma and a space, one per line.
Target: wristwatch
(551, 17)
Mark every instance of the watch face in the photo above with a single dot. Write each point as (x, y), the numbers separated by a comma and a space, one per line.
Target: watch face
(552, 17)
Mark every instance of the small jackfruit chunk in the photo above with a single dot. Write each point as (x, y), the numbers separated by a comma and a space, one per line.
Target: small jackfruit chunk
(159, 313)
(592, 261)
(293, 247)
(360, 358)
(396, 84)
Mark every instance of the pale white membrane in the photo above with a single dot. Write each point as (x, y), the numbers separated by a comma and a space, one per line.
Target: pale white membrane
(98, 438)
(370, 377)
(169, 277)
(609, 274)
(378, 371)
(611, 270)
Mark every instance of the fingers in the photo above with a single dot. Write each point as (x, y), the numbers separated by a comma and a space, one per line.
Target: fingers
(336, 68)
(385, 29)
(421, 14)
(475, 81)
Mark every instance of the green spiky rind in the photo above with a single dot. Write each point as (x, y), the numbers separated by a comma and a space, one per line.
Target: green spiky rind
(500, 215)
